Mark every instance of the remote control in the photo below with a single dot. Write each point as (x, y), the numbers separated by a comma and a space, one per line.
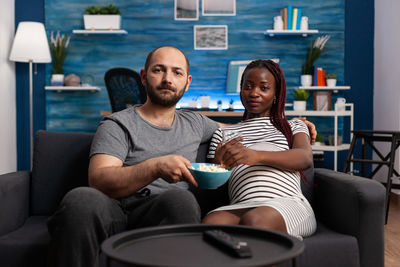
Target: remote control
(224, 241)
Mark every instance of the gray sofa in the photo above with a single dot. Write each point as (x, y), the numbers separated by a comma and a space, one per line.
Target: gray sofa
(349, 210)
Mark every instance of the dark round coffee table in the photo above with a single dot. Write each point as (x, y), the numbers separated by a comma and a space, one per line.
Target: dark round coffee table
(183, 245)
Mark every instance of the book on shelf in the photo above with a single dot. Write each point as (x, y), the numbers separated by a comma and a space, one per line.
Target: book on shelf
(315, 76)
(289, 17)
(284, 17)
(294, 19)
(299, 14)
(321, 77)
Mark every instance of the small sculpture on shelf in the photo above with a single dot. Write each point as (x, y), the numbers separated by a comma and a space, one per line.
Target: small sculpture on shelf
(72, 80)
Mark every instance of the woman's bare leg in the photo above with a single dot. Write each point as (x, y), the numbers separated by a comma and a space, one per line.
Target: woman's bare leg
(264, 217)
(224, 217)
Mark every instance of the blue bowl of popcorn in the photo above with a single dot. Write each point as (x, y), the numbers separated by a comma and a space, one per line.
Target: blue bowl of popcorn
(208, 175)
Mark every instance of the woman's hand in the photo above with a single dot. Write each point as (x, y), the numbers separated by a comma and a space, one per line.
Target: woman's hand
(234, 153)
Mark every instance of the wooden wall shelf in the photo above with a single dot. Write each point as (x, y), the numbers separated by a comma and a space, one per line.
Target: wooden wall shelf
(272, 33)
(86, 32)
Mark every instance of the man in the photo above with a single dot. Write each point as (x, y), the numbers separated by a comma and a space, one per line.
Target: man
(131, 150)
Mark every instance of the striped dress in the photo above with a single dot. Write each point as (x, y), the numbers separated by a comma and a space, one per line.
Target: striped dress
(263, 185)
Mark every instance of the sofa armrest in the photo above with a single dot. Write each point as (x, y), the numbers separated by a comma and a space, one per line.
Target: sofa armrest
(14, 200)
(355, 206)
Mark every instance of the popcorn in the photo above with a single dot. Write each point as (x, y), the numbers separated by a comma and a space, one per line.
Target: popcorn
(212, 168)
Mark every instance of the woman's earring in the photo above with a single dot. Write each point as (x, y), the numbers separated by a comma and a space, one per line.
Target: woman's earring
(274, 100)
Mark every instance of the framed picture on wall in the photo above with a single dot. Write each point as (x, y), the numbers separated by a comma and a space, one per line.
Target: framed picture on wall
(219, 8)
(186, 10)
(322, 101)
(211, 37)
(234, 75)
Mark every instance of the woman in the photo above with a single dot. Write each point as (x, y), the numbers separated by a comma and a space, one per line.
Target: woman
(268, 158)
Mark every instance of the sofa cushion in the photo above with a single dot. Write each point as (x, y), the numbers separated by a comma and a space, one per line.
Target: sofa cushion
(333, 249)
(26, 246)
(329, 249)
(58, 166)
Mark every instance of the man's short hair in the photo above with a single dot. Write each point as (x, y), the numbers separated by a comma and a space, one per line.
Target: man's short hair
(150, 55)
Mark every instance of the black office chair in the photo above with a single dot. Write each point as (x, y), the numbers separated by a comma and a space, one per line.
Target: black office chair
(124, 88)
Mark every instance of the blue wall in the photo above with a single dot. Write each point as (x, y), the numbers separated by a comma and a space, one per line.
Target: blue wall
(151, 24)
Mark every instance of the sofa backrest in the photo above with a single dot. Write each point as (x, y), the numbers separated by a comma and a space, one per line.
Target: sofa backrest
(60, 163)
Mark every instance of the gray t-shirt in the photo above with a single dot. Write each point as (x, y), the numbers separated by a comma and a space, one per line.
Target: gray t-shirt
(127, 136)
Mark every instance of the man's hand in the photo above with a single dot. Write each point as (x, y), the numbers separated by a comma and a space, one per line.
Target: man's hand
(311, 129)
(174, 168)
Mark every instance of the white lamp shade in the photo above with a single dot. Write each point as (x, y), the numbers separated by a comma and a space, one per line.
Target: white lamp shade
(30, 43)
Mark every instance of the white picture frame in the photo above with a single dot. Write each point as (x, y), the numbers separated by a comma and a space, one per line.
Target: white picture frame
(210, 37)
(218, 7)
(235, 71)
(186, 9)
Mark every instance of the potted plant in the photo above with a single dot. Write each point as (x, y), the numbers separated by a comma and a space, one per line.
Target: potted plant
(331, 80)
(319, 140)
(231, 105)
(312, 55)
(59, 49)
(219, 105)
(300, 98)
(99, 17)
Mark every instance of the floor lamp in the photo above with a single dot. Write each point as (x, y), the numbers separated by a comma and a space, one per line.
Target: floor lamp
(30, 45)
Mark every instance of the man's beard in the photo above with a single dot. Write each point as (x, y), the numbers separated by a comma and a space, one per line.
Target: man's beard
(162, 99)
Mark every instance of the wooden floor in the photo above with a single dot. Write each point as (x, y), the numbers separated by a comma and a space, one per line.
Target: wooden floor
(392, 234)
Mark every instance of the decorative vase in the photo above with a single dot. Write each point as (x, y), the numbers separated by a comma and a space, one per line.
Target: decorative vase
(306, 80)
(57, 80)
(331, 82)
(278, 23)
(102, 22)
(299, 105)
(304, 23)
